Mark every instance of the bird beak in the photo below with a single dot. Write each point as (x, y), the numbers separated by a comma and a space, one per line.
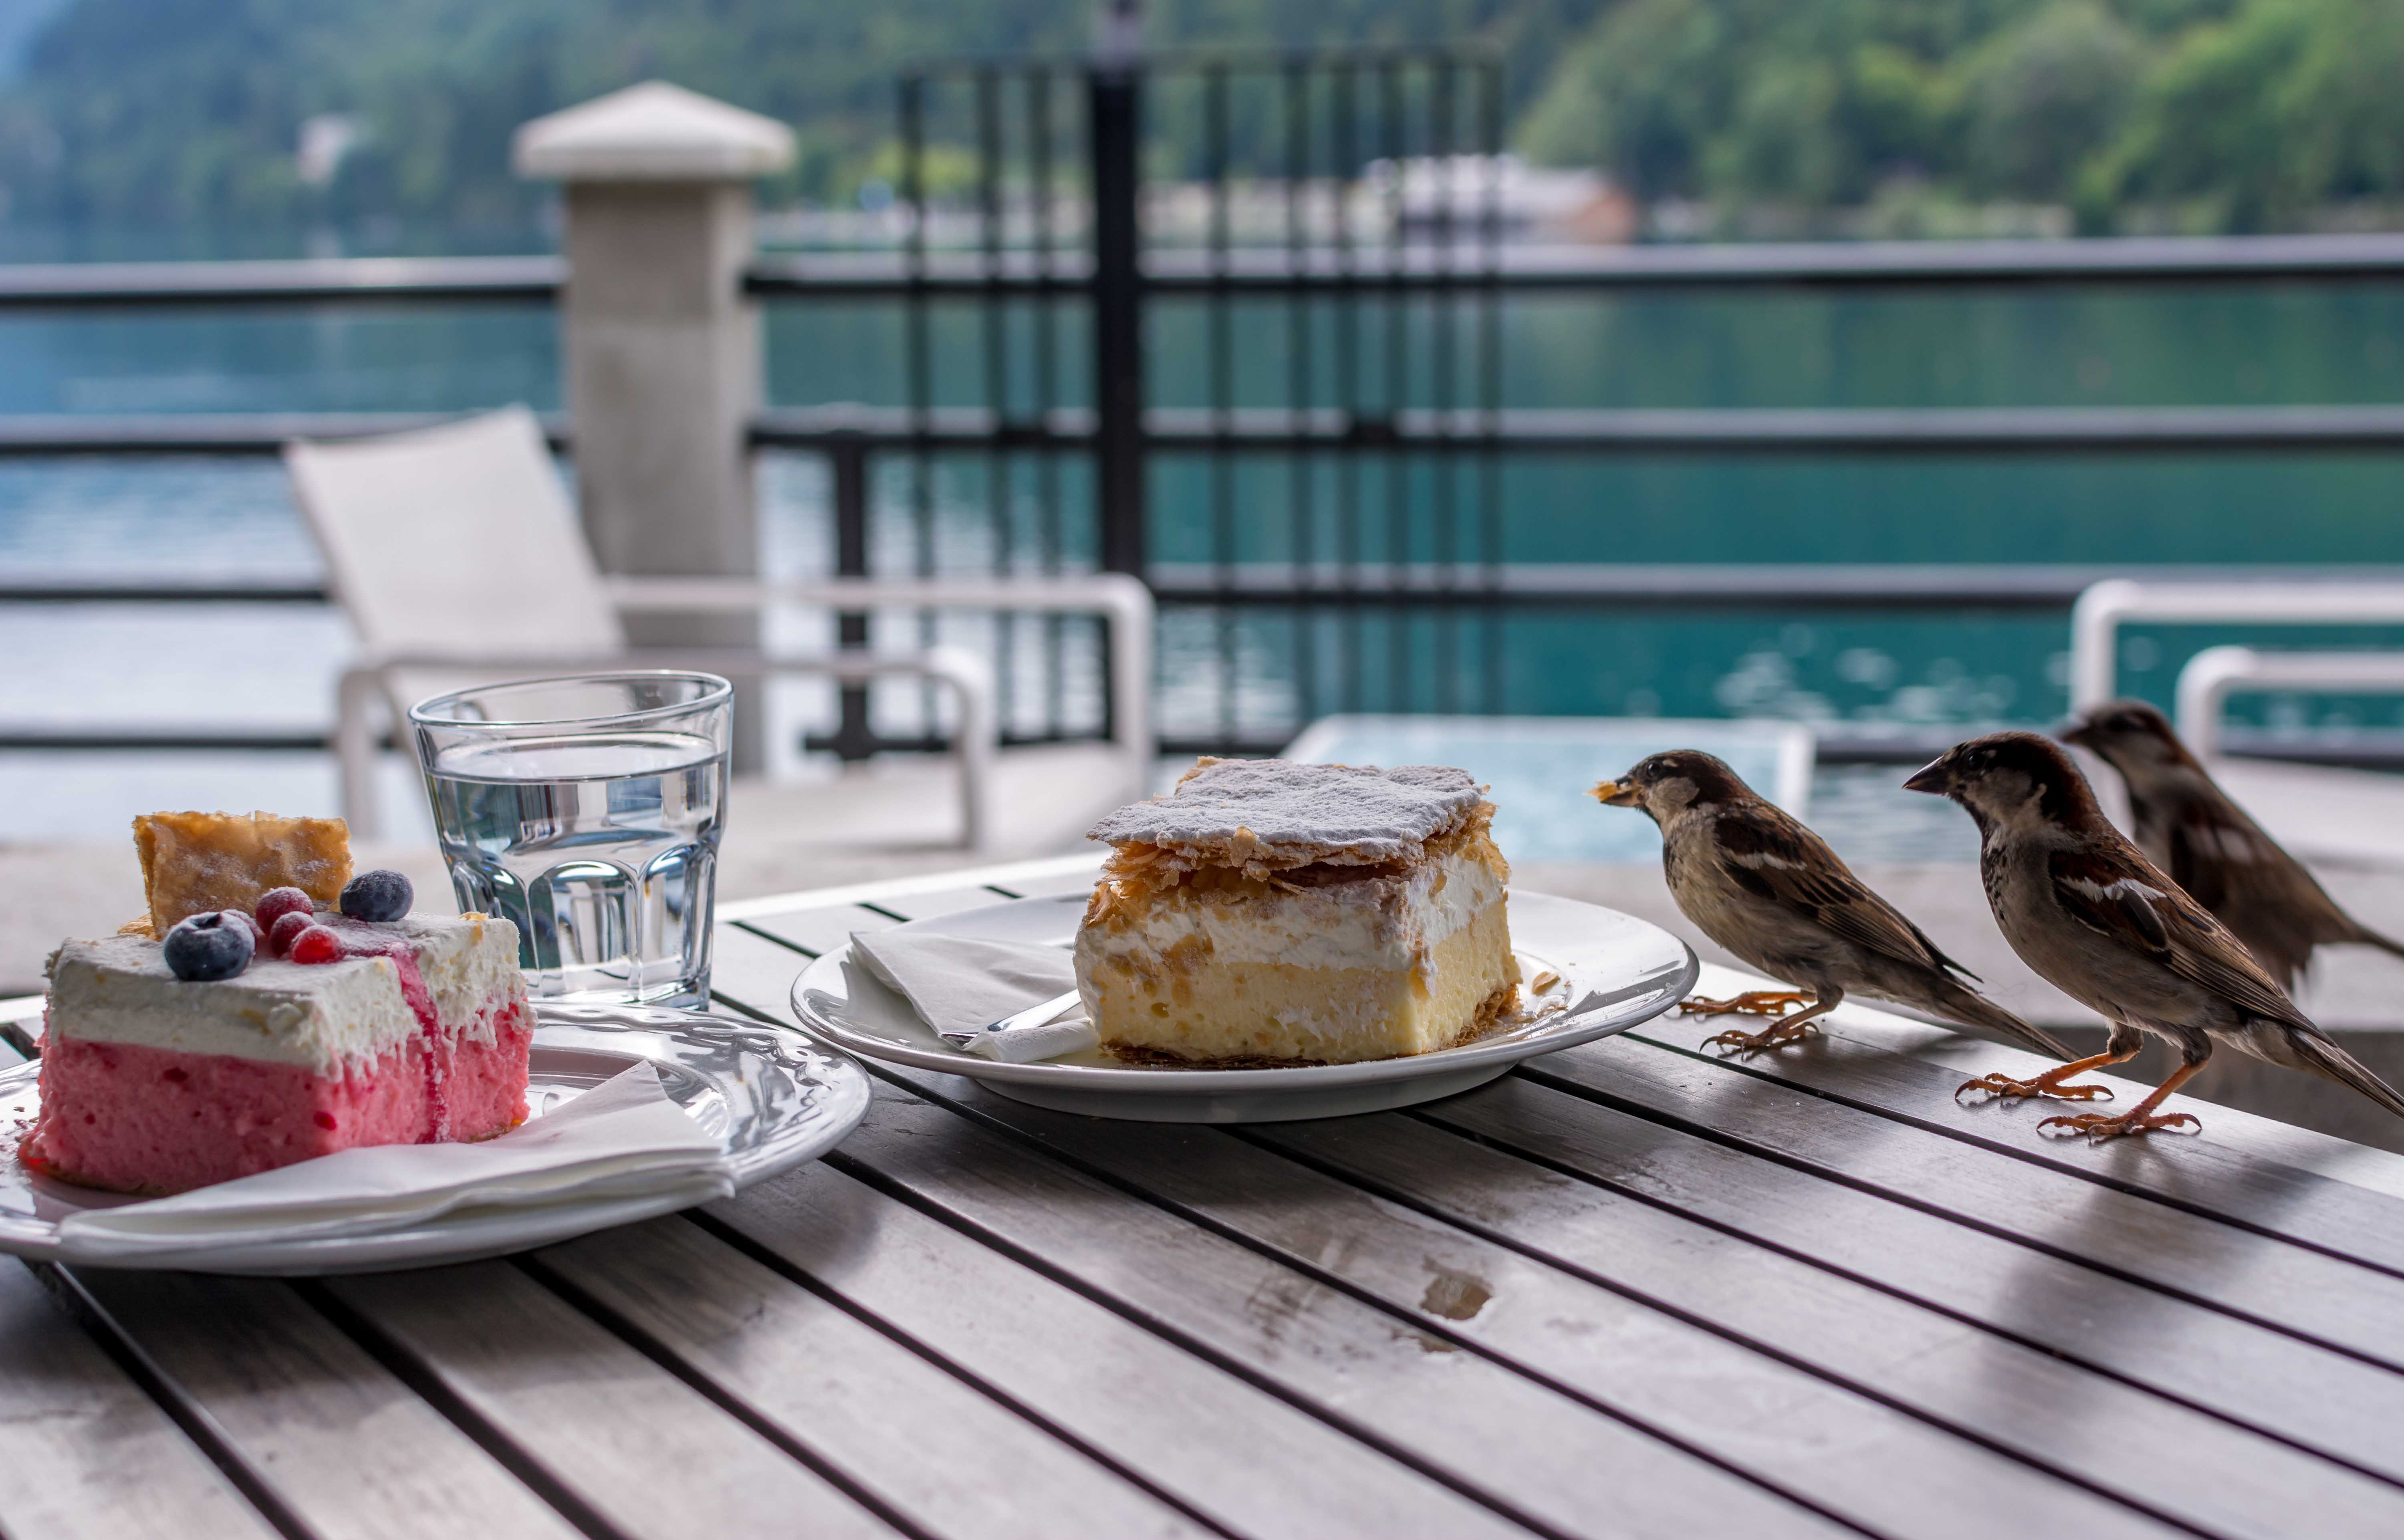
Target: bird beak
(1932, 777)
(1616, 793)
(2077, 732)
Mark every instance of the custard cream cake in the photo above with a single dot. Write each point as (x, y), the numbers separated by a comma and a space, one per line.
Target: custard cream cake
(1268, 912)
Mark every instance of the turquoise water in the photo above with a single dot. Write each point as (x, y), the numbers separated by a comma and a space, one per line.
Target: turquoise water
(2266, 345)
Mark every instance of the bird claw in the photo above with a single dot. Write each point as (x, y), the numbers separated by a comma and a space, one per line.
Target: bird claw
(2004, 1088)
(1750, 1044)
(1752, 1003)
(2096, 1127)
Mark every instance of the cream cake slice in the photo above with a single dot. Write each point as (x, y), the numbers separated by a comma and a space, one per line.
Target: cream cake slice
(420, 1032)
(1268, 912)
(270, 1007)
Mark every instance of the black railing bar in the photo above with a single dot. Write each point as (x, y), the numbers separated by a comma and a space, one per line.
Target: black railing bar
(1701, 584)
(1638, 430)
(339, 280)
(1918, 747)
(1865, 585)
(126, 590)
(1157, 61)
(1841, 264)
(215, 433)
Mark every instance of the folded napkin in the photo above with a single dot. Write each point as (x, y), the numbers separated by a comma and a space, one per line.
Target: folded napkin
(622, 1138)
(960, 983)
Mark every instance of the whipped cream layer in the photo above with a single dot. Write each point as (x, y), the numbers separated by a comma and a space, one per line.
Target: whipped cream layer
(328, 1017)
(1381, 922)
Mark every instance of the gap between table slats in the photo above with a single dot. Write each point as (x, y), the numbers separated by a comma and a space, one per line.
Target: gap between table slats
(2213, 1173)
(625, 1445)
(324, 1431)
(90, 1455)
(941, 1455)
(2325, 1299)
(2276, 1384)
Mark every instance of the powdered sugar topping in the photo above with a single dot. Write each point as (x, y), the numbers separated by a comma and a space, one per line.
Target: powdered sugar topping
(1285, 813)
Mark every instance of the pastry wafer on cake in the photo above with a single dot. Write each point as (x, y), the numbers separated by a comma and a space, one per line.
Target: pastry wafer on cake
(1268, 912)
(266, 1024)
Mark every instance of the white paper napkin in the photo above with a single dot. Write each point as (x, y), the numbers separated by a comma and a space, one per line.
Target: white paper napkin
(622, 1138)
(961, 982)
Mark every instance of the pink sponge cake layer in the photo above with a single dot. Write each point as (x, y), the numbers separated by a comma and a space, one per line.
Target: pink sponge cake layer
(152, 1083)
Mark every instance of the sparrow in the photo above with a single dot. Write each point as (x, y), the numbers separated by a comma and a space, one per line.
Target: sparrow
(2187, 826)
(2085, 909)
(1772, 891)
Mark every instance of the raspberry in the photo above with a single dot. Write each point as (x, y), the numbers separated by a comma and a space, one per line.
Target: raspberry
(287, 926)
(258, 932)
(279, 901)
(315, 944)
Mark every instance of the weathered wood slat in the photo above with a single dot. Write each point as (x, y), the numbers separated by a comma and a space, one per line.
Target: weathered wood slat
(90, 1455)
(2167, 1458)
(1808, 1391)
(1248, 1459)
(2264, 1379)
(638, 1447)
(1527, 1448)
(934, 1449)
(2215, 1173)
(331, 1433)
(2334, 1302)
(815, 931)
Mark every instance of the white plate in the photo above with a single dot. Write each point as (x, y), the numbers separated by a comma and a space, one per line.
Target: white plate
(775, 1101)
(1614, 972)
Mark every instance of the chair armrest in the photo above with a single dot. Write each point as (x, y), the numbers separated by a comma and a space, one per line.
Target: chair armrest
(1125, 604)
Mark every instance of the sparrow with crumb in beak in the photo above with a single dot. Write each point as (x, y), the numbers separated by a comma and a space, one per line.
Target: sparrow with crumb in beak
(2187, 826)
(1772, 891)
(2084, 909)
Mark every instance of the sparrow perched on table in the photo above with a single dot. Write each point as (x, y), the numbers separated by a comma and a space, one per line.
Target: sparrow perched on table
(2086, 910)
(2189, 828)
(1772, 892)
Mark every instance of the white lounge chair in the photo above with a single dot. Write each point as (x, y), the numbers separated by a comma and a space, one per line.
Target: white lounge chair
(457, 555)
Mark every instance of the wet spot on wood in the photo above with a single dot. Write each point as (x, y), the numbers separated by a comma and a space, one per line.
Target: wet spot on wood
(1454, 1294)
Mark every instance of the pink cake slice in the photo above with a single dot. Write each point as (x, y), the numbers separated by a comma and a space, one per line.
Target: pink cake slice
(152, 1084)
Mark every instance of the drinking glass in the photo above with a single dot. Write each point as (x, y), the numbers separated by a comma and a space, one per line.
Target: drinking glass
(587, 811)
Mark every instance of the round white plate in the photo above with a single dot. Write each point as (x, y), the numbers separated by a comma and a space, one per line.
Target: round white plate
(1613, 972)
(776, 1101)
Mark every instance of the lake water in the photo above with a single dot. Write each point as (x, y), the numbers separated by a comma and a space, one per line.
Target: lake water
(271, 667)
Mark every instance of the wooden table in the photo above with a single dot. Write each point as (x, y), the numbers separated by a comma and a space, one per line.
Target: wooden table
(1629, 1289)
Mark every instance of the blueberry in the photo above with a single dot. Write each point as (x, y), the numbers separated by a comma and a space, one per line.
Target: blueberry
(376, 895)
(209, 947)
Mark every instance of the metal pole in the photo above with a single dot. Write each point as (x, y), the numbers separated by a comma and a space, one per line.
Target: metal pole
(848, 459)
(1114, 116)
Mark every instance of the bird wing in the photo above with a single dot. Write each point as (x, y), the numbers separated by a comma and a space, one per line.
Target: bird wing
(1773, 857)
(2117, 894)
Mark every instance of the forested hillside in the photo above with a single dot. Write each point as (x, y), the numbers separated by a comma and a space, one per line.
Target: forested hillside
(2207, 114)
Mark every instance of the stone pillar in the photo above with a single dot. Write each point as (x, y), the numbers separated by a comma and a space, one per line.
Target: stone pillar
(662, 347)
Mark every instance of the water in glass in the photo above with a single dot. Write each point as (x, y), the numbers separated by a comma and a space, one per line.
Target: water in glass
(600, 847)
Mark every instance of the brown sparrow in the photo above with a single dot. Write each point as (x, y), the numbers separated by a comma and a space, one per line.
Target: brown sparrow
(1772, 892)
(2189, 828)
(2084, 909)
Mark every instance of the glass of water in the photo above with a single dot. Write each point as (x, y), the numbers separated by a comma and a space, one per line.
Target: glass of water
(587, 812)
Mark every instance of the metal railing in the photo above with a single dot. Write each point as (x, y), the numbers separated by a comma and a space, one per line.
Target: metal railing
(1303, 127)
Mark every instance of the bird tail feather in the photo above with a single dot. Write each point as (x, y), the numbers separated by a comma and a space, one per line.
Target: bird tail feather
(2325, 1058)
(2369, 937)
(1974, 1009)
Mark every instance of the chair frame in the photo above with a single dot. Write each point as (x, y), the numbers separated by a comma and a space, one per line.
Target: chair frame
(1125, 604)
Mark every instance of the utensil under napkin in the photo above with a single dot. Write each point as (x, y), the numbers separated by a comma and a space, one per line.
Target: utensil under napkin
(622, 1138)
(961, 985)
